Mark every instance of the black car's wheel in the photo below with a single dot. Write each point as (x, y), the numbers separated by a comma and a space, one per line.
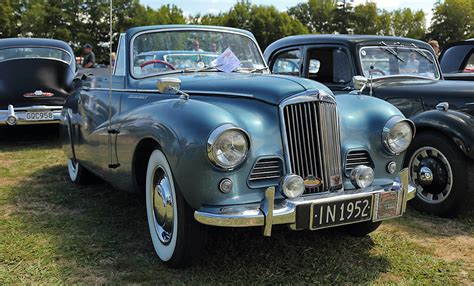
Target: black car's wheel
(438, 168)
(177, 238)
(77, 173)
(361, 229)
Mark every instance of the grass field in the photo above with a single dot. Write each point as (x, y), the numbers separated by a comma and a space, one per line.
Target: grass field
(52, 231)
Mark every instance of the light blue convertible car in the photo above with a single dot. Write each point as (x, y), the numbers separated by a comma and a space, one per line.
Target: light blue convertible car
(212, 138)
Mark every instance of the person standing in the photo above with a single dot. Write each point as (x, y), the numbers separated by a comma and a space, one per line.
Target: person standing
(89, 57)
(435, 45)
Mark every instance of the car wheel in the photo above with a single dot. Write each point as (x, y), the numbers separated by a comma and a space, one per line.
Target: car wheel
(438, 169)
(362, 228)
(77, 173)
(177, 238)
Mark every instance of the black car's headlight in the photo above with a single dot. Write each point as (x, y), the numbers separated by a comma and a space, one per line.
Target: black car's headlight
(227, 146)
(398, 134)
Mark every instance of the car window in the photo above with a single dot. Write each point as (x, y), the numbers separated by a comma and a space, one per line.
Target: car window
(120, 62)
(398, 61)
(469, 68)
(34, 52)
(287, 63)
(329, 65)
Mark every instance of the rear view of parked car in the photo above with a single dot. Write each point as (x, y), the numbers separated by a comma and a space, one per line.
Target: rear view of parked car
(36, 75)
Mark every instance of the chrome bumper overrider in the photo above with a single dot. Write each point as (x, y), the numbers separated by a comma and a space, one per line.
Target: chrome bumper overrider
(269, 213)
(18, 115)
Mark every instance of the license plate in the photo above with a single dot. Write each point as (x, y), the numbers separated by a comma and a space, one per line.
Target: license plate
(39, 115)
(341, 212)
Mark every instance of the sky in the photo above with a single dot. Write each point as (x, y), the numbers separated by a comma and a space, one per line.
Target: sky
(191, 7)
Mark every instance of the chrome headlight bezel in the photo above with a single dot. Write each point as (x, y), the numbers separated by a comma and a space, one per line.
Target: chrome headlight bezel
(212, 139)
(389, 126)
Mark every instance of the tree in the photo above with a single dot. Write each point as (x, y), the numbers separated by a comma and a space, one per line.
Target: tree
(7, 22)
(366, 19)
(342, 17)
(453, 20)
(407, 23)
(316, 15)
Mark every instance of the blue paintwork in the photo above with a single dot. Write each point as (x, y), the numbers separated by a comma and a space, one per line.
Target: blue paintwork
(181, 127)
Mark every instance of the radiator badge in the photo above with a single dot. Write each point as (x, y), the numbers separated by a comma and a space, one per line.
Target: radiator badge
(312, 182)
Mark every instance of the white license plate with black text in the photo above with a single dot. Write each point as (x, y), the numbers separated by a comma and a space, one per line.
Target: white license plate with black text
(342, 212)
(39, 115)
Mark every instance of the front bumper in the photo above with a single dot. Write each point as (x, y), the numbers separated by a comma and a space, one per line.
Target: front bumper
(295, 212)
(18, 115)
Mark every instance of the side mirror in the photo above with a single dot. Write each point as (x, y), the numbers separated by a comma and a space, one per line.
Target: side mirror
(171, 85)
(359, 82)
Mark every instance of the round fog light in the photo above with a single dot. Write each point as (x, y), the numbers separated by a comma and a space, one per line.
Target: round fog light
(11, 120)
(391, 167)
(362, 176)
(225, 185)
(293, 186)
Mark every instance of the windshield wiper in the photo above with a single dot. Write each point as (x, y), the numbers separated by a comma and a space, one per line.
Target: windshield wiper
(391, 51)
(421, 53)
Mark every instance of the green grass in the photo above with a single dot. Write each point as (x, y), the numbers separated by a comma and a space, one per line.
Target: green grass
(52, 231)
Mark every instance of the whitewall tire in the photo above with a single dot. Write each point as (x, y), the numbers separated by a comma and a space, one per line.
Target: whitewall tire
(77, 173)
(177, 238)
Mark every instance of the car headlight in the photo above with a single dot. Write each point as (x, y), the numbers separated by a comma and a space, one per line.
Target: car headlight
(227, 146)
(398, 134)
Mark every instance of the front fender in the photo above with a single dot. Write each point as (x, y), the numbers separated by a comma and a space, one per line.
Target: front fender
(182, 127)
(456, 125)
(362, 119)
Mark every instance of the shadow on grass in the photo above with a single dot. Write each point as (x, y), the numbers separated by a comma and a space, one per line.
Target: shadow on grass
(29, 136)
(101, 235)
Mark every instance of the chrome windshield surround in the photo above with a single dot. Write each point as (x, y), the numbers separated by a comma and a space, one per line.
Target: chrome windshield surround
(132, 40)
(71, 58)
(394, 120)
(212, 139)
(335, 169)
(436, 63)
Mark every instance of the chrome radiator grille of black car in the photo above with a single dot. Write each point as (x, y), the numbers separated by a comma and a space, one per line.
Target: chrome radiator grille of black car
(313, 144)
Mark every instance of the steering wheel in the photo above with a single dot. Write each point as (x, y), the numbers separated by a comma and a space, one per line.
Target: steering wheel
(167, 64)
(377, 70)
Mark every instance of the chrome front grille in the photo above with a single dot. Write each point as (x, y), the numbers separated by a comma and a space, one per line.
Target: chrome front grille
(313, 144)
(267, 170)
(357, 157)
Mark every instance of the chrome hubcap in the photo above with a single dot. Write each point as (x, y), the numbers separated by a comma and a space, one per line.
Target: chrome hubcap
(162, 205)
(431, 172)
(425, 175)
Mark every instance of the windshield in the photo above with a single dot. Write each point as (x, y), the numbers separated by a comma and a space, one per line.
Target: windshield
(34, 52)
(393, 61)
(158, 52)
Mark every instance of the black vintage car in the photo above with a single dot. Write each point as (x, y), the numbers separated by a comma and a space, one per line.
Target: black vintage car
(406, 73)
(457, 61)
(36, 75)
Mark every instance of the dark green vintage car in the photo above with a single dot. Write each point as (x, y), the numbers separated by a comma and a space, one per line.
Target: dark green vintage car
(211, 137)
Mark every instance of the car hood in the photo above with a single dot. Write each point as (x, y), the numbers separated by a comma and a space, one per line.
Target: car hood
(269, 88)
(421, 88)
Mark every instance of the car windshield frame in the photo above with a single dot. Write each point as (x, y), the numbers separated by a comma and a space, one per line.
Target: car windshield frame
(71, 58)
(408, 49)
(135, 36)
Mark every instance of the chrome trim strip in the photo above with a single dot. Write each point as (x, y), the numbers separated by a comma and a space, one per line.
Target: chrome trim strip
(189, 29)
(156, 91)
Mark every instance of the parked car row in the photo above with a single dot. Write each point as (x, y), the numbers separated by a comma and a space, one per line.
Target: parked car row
(329, 138)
